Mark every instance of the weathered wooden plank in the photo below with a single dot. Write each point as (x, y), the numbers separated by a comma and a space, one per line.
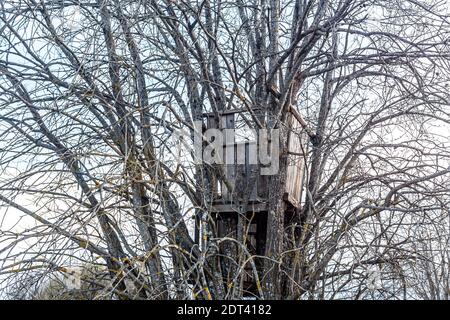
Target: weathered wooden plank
(295, 162)
(211, 122)
(251, 168)
(252, 207)
(227, 122)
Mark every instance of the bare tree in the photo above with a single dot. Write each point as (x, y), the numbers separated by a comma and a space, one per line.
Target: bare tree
(93, 95)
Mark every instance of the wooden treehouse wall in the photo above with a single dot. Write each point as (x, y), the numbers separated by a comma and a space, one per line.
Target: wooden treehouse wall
(240, 165)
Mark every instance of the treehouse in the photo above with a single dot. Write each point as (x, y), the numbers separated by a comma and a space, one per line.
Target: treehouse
(240, 185)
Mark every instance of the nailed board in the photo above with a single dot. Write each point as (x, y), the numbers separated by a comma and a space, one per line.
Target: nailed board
(295, 165)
